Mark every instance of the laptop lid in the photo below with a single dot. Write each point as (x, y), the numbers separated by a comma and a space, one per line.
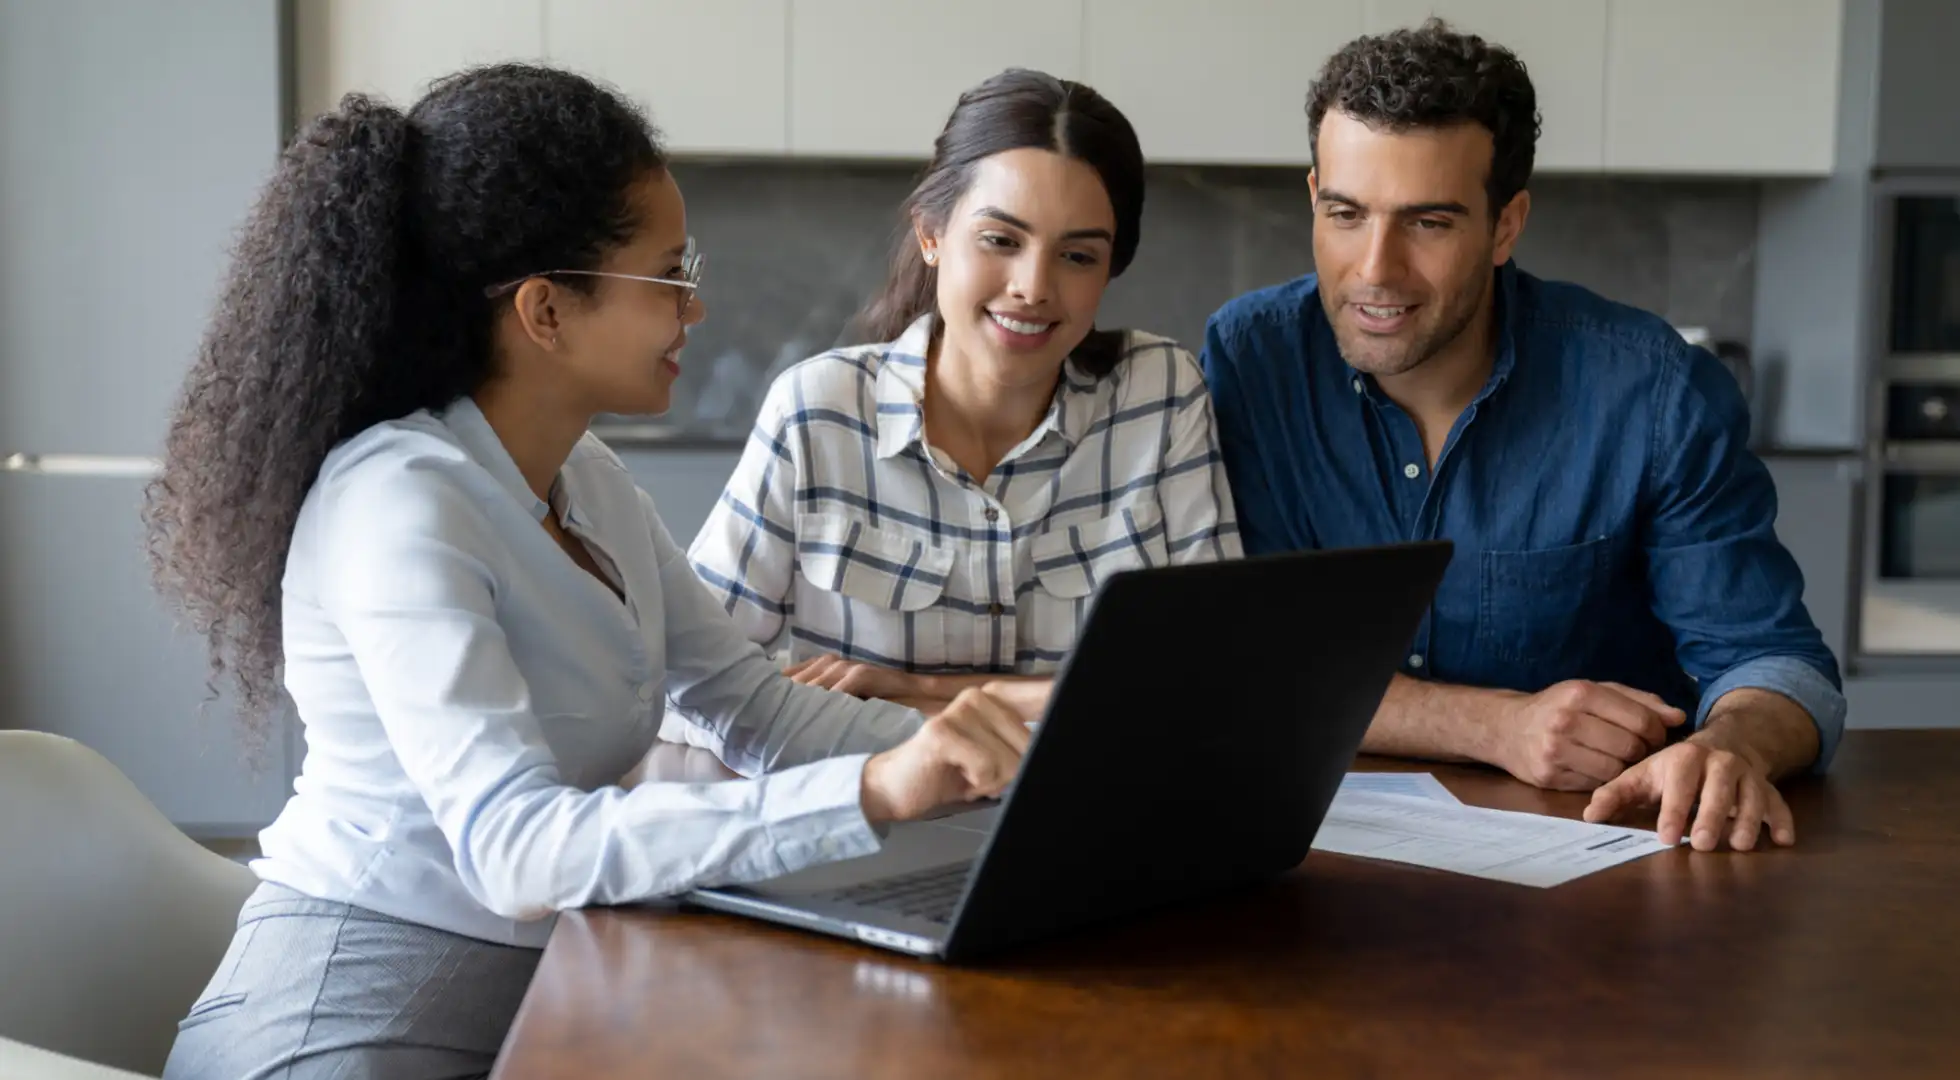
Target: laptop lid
(1196, 736)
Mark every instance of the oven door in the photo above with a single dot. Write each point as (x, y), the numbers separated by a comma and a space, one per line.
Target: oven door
(1912, 586)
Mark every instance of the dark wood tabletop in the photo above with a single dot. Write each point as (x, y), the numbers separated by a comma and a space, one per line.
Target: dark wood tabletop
(1838, 957)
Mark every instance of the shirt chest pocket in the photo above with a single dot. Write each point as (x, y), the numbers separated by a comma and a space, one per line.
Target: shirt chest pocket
(1071, 563)
(1541, 609)
(881, 567)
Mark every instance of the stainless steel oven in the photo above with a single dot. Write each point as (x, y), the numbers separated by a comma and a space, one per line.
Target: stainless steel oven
(1911, 589)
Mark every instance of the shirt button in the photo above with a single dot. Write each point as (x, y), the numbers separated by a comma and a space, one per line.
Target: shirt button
(1415, 661)
(1357, 384)
(993, 514)
(1412, 470)
(996, 610)
(646, 692)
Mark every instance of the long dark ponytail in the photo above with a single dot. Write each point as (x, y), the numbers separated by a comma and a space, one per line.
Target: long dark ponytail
(1015, 110)
(355, 295)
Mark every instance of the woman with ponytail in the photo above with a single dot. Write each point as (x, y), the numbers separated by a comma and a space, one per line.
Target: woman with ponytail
(934, 509)
(379, 501)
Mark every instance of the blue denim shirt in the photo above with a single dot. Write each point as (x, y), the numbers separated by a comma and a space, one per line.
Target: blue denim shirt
(1609, 519)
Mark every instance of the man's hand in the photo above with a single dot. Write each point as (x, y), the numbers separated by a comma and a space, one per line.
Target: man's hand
(861, 680)
(1737, 798)
(1578, 735)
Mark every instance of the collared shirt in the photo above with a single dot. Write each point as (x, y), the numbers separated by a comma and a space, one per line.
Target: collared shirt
(471, 697)
(1609, 519)
(843, 527)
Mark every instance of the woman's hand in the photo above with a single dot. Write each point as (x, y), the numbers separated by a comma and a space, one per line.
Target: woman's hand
(971, 750)
(861, 680)
(930, 694)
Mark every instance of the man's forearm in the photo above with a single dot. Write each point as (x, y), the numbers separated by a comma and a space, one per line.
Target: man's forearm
(1771, 730)
(1438, 721)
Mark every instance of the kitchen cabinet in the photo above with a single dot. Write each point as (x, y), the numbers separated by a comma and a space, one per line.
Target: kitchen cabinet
(714, 77)
(877, 78)
(1918, 84)
(134, 137)
(1682, 87)
(1218, 82)
(1816, 519)
(1563, 46)
(394, 49)
(1740, 87)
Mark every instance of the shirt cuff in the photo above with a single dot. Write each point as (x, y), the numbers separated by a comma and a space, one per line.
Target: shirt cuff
(1795, 680)
(815, 813)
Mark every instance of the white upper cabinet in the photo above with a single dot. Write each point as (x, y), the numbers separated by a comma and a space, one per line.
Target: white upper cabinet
(1218, 81)
(1744, 87)
(877, 78)
(1720, 87)
(394, 49)
(1563, 46)
(714, 76)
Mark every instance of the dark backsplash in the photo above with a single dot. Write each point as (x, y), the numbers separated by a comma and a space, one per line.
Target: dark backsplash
(794, 248)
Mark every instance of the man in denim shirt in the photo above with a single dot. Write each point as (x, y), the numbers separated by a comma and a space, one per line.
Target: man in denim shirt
(1616, 571)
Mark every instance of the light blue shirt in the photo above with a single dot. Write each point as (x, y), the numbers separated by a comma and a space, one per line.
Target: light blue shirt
(471, 697)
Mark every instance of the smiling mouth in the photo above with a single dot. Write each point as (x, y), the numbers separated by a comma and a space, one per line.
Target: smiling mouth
(1020, 326)
(1381, 311)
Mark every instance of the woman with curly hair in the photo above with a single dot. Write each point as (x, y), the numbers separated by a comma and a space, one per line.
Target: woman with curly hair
(380, 498)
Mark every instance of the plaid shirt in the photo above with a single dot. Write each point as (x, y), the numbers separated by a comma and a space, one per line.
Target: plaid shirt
(843, 528)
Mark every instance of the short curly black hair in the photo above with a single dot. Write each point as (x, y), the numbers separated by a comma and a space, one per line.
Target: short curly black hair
(1430, 77)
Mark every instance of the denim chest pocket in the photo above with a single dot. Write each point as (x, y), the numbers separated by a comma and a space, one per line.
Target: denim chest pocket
(1538, 605)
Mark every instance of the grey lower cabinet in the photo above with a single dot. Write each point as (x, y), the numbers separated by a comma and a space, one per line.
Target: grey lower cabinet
(1816, 519)
(87, 650)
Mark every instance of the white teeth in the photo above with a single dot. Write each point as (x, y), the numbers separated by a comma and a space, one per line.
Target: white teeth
(1382, 312)
(1019, 327)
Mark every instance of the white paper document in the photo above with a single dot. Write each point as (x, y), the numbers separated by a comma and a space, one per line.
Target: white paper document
(1527, 849)
(1421, 785)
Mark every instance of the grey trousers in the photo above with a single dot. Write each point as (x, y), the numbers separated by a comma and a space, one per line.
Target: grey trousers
(313, 989)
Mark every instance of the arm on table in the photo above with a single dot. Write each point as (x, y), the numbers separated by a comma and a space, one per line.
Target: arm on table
(1574, 736)
(1772, 702)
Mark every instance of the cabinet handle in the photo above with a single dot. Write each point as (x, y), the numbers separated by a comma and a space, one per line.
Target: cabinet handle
(81, 464)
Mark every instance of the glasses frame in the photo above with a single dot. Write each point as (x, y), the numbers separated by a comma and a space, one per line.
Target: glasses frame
(688, 283)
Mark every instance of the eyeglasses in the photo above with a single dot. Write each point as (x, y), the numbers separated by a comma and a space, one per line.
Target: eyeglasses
(684, 285)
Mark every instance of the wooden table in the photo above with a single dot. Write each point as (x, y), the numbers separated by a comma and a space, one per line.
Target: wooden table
(1839, 957)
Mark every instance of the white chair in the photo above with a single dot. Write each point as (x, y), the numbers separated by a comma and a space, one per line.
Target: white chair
(111, 920)
(19, 1061)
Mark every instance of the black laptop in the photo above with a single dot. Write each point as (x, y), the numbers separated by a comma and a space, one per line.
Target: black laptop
(1195, 737)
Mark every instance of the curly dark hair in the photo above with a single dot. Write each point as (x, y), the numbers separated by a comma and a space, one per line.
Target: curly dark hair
(356, 295)
(1016, 109)
(1431, 77)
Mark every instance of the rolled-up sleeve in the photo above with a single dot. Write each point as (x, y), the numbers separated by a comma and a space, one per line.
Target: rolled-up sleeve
(1725, 586)
(414, 592)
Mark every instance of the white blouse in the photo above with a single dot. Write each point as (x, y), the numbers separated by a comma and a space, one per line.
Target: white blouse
(470, 698)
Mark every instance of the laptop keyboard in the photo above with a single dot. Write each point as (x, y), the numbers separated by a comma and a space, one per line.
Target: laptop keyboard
(924, 894)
